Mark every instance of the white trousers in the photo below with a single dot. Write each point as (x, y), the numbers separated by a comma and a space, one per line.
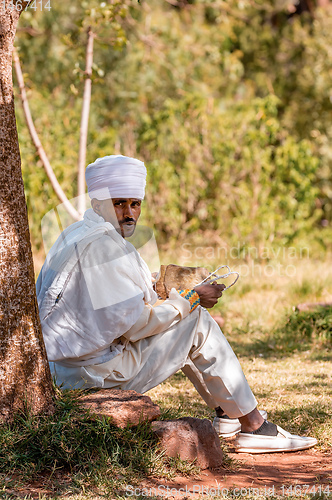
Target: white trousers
(195, 344)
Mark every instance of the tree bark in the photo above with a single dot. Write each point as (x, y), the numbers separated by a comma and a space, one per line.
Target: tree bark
(25, 381)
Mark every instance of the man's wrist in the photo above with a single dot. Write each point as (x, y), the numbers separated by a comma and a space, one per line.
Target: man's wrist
(192, 296)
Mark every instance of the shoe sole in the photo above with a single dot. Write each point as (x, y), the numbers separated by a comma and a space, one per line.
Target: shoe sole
(279, 450)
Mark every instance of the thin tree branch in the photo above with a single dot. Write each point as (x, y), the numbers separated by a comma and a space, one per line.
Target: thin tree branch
(40, 150)
(30, 30)
(85, 123)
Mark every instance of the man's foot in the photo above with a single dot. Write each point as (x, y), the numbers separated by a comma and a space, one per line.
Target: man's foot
(227, 427)
(271, 438)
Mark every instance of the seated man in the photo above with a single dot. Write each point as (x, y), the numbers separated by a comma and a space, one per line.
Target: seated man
(100, 328)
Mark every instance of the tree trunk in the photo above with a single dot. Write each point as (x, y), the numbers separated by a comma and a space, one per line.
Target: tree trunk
(25, 380)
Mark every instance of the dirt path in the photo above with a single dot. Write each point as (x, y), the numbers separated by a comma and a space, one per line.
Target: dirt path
(269, 475)
(272, 474)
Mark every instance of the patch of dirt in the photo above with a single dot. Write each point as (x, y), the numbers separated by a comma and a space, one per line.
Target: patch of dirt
(270, 474)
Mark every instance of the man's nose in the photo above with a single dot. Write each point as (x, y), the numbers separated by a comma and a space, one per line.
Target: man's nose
(128, 212)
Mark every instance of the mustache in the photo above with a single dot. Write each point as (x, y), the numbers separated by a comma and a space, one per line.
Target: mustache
(125, 221)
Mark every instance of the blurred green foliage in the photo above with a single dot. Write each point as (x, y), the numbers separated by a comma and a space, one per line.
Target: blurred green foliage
(300, 331)
(228, 103)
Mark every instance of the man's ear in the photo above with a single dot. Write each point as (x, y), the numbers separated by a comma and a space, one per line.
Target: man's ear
(96, 205)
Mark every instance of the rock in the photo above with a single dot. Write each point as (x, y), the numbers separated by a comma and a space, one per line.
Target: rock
(124, 407)
(306, 306)
(190, 439)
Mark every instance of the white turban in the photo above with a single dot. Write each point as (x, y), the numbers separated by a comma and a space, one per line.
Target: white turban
(116, 176)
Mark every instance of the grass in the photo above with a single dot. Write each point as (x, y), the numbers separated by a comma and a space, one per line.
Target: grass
(294, 332)
(73, 451)
(287, 359)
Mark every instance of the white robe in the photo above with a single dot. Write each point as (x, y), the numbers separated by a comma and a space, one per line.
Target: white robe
(101, 329)
(92, 288)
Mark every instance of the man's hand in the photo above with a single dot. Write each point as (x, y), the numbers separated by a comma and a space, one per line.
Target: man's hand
(209, 294)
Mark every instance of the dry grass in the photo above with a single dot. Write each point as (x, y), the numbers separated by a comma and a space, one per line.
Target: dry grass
(259, 299)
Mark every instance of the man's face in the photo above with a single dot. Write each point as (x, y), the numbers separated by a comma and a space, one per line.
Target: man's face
(126, 210)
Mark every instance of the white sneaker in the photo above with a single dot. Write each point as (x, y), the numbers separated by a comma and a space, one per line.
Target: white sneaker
(284, 441)
(227, 427)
